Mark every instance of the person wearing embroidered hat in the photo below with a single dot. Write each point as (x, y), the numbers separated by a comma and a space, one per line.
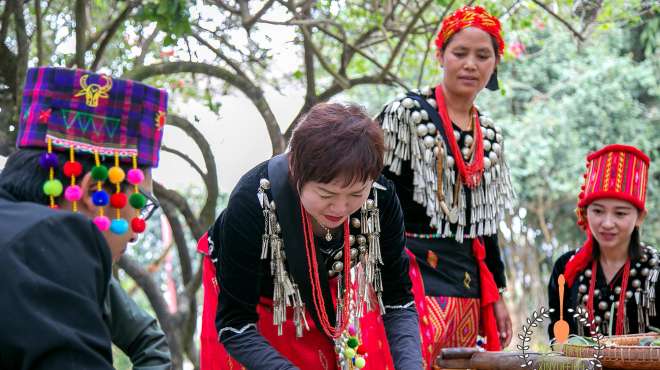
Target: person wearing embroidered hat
(613, 275)
(73, 195)
(447, 162)
(306, 264)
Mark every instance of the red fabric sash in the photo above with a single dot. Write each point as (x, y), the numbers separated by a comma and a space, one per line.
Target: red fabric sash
(489, 295)
(579, 261)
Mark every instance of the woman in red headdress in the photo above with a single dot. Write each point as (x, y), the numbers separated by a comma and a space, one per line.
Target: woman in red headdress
(447, 162)
(613, 269)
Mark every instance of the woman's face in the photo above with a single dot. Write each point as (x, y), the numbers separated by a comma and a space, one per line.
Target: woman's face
(330, 204)
(612, 221)
(468, 62)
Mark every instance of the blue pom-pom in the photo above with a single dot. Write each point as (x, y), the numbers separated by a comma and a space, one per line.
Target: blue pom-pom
(48, 160)
(119, 226)
(100, 198)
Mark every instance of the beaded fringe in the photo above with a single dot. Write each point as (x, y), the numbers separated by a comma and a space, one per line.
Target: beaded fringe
(285, 291)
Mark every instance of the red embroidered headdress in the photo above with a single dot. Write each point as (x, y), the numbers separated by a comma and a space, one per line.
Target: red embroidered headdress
(615, 171)
(470, 16)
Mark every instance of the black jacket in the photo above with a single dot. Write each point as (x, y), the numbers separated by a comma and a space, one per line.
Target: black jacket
(54, 273)
(135, 332)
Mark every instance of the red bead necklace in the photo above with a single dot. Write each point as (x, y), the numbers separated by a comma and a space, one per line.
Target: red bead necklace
(317, 294)
(622, 295)
(470, 173)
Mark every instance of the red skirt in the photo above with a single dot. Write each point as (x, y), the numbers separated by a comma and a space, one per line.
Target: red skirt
(443, 321)
(313, 351)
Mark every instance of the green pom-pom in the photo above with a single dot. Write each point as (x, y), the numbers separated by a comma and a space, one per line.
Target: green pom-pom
(352, 342)
(349, 353)
(53, 188)
(100, 173)
(137, 200)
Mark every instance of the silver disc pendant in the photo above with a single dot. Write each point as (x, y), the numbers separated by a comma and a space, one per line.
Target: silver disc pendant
(453, 215)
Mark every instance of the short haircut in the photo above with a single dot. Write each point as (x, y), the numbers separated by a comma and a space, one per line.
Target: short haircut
(336, 141)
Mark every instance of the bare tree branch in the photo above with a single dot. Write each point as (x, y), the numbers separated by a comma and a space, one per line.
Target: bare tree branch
(232, 63)
(144, 48)
(403, 37)
(6, 14)
(39, 32)
(8, 60)
(181, 204)
(185, 157)
(251, 90)
(310, 74)
(560, 19)
(112, 29)
(23, 47)
(429, 44)
(362, 53)
(348, 53)
(249, 21)
(341, 80)
(333, 90)
(188, 313)
(155, 296)
(81, 32)
(207, 214)
(179, 238)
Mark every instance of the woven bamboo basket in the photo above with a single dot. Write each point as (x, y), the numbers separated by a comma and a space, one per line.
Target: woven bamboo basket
(621, 352)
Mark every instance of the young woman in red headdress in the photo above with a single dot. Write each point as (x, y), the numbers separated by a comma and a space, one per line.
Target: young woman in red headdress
(447, 162)
(306, 265)
(613, 269)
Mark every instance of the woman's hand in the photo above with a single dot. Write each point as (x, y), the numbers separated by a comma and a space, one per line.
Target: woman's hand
(503, 322)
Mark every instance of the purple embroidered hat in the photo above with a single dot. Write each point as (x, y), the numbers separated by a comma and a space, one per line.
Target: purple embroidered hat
(80, 111)
(92, 113)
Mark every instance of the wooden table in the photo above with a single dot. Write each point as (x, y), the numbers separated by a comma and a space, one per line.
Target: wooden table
(472, 358)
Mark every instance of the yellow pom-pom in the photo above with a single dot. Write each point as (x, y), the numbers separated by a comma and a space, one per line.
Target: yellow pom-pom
(116, 175)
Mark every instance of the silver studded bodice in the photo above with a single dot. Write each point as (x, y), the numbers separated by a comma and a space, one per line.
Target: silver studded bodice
(411, 139)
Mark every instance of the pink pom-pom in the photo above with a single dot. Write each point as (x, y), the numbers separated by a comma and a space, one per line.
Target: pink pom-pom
(351, 330)
(135, 176)
(73, 193)
(102, 222)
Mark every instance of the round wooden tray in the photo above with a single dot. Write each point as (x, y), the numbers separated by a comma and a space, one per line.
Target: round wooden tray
(621, 352)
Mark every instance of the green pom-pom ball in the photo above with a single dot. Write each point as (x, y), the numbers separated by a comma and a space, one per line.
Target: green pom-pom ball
(53, 188)
(349, 353)
(352, 342)
(100, 173)
(137, 200)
